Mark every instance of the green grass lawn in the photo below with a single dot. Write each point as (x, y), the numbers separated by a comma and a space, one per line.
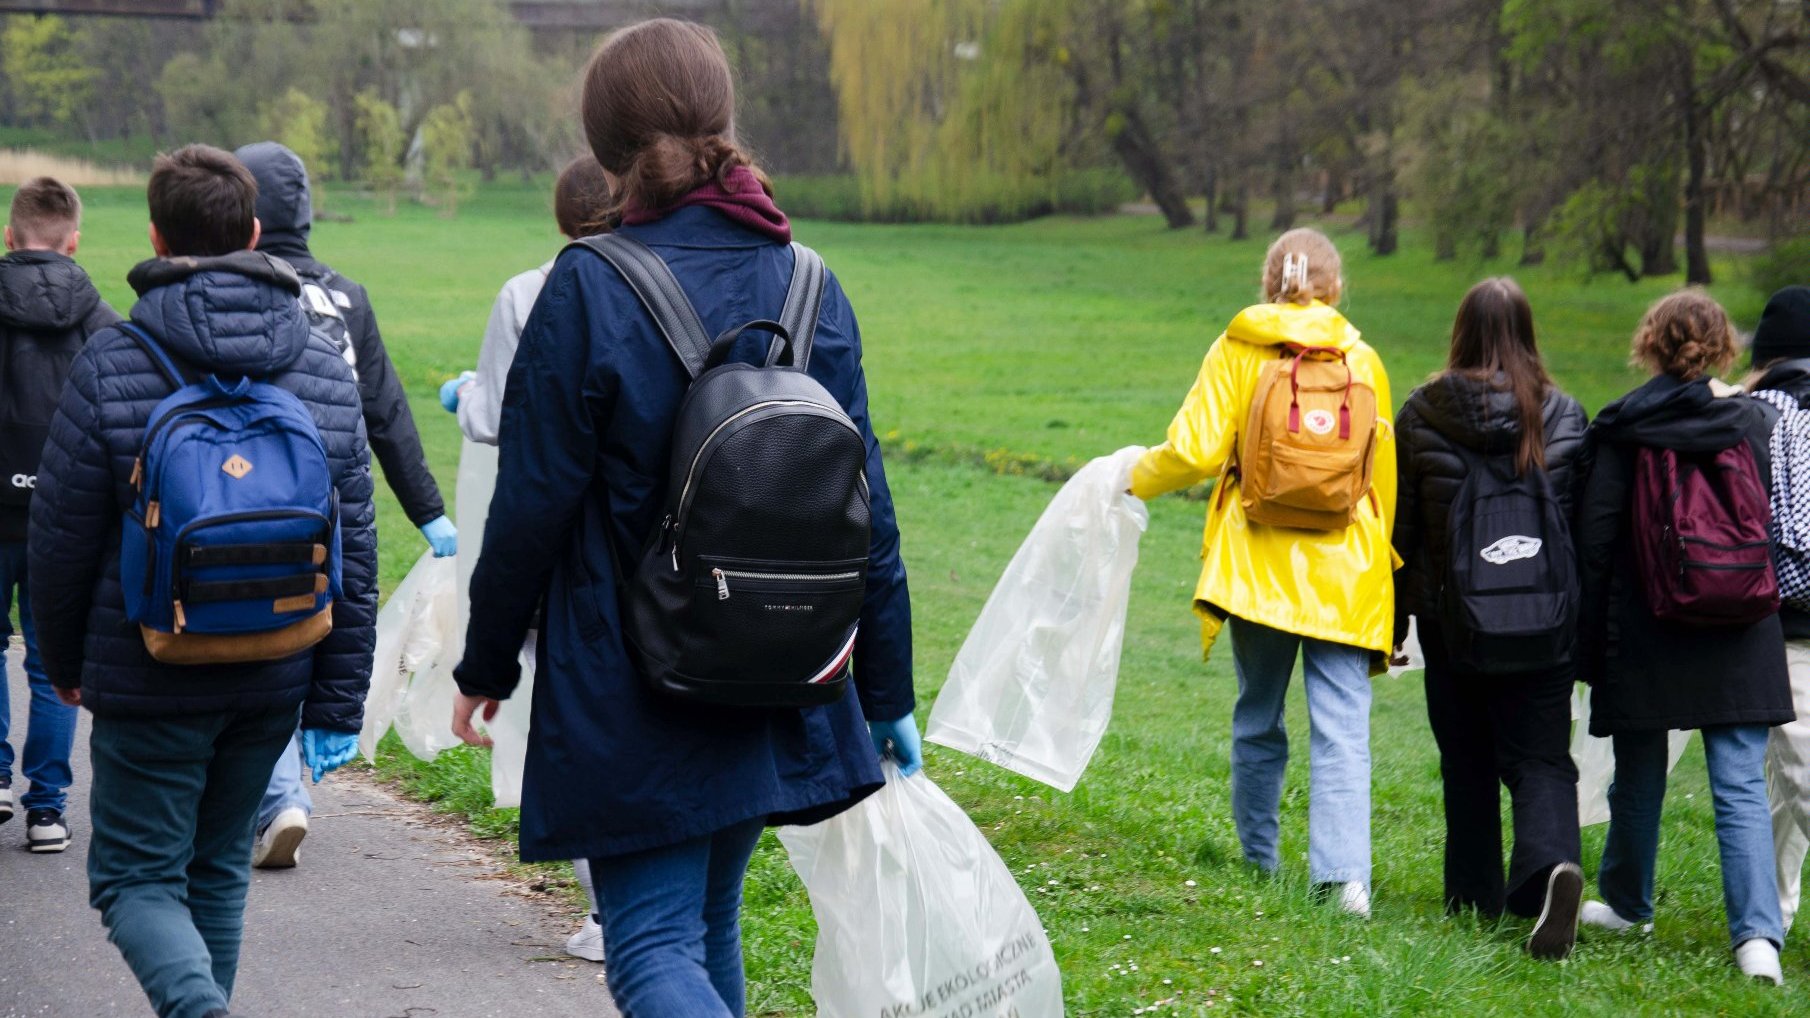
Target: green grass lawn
(1060, 340)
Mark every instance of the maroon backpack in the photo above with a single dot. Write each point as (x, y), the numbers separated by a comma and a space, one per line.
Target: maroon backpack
(1703, 537)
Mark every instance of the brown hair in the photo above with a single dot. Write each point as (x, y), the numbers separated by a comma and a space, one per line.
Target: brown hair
(203, 201)
(581, 198)
(45, 212)
(659, 111)
(1493, 343)
(1686, 335)
(1301, 267)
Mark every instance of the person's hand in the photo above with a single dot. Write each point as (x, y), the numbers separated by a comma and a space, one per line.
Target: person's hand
(70, 697)
(1397, 659)
(464, 706)
(899, 740)
(442, 537)
(451, 392)
(325, 751)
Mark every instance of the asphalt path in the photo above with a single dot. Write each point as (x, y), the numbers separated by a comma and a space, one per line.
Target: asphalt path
(393, 913)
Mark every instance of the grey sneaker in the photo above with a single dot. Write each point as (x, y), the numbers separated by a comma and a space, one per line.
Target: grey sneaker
(279, 845)
(45, 830)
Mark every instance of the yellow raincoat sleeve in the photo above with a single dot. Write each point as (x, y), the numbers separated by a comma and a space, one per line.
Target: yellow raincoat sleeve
(1383, 477)
(1200, 438)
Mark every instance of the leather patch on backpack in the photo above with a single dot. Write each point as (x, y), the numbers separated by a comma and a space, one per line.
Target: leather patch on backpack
(236, 467)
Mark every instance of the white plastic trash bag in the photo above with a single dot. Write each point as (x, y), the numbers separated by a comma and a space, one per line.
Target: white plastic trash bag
(421, 636)
(1032, 687)
(1595, 759)
(917, 916)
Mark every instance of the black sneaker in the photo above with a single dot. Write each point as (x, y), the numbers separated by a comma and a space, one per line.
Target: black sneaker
(1555, 932)
(6, 800)
(45, 830)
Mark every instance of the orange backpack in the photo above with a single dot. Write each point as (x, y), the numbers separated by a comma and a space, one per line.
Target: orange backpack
(1305, 456)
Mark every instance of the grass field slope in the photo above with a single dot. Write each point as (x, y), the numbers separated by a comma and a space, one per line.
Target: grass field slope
(1025, 348)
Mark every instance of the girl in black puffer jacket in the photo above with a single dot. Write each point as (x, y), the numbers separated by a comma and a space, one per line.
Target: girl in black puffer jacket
(1494, 399)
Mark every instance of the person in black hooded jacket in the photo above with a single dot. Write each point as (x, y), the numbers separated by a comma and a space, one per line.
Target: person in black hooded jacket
(1649, 676)
(1493, 401)
(48, 309)
(1781, 363)
(341, 309)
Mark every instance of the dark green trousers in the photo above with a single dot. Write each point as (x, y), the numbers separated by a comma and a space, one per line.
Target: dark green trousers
(169, 856)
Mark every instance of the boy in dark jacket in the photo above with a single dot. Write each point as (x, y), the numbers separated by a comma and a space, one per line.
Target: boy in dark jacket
(340, 308)
(48, 309)
(181, 754)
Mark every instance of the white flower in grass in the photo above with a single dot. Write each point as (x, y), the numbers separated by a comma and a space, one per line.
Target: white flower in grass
(1189, 883)
(1257, 963)
(1215, 950)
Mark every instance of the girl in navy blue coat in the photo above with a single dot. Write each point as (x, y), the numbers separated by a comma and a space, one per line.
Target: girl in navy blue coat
(666, 801)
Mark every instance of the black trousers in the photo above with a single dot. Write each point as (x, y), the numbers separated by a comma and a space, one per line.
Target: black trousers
(1515, 730)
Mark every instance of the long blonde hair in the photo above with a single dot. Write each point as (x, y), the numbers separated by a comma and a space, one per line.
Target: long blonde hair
(1301, 267)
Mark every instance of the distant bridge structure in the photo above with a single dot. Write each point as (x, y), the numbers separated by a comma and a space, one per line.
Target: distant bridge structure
(576, 15)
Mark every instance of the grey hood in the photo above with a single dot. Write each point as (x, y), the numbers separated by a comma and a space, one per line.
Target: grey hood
(285, 208)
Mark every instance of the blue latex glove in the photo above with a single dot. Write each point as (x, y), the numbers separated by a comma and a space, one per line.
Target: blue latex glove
(449, 393)
(899, 740)
(441, 536)
(326, 751)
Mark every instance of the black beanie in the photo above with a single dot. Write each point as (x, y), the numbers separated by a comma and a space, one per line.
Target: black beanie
(1784, 330)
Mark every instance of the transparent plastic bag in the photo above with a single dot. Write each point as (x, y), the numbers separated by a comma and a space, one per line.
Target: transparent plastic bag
(1595, 759)
(1414, 659)
(411, 630)
(917, 916)
(1032, 688)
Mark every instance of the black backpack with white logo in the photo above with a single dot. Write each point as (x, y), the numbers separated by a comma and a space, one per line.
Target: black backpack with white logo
(1509, 598)
(326, 306)
(750, 592)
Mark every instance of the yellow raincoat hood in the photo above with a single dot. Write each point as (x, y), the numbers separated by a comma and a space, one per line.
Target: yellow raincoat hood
(1336, 586)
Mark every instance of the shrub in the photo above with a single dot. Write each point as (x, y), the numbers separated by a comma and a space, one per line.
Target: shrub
(1786, 263)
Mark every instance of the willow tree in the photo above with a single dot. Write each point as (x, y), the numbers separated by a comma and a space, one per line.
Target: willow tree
(950, 108)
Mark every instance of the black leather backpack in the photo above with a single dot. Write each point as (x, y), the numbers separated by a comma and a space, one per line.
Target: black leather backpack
(750, 591)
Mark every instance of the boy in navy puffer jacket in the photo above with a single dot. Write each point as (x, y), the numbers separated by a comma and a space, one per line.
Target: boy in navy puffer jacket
(181, 754)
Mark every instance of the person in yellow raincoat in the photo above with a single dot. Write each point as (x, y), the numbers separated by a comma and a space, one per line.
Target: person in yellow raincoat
(1325, 595)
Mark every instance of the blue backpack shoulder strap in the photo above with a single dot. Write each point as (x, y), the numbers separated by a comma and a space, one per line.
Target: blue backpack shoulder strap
(165, 365)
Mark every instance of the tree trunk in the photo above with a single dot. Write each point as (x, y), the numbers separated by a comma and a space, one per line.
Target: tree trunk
(1445, 246)
(1211, 188)
(1284, 185)
(1696, 256)
(1149, 167)
(1335, 188)
(1533, 247)
(1492, 244)
(1384, 213)
(1241, 211)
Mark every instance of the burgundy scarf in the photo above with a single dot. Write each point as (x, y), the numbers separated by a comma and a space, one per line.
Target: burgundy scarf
(739, 196)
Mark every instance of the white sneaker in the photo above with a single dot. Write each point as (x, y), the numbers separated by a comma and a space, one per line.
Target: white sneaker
(587, 943)
(1354, 898)
(279, 845)
(1602, 917)
(1759, 959)
(7, 805)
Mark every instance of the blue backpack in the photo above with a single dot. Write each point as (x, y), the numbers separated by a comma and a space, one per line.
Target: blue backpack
(231, 550)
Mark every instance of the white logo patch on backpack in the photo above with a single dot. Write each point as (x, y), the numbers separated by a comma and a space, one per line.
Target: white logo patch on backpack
(1320, 422)
(1512, 548)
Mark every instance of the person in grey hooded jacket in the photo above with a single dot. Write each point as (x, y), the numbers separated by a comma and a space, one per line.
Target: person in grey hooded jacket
(340, 309)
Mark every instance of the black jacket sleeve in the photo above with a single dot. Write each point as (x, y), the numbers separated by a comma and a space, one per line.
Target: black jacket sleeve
(1564, 444)
(1408, 523)
(1604, 479)
(73, 518)
(342, 662)
(389, 423)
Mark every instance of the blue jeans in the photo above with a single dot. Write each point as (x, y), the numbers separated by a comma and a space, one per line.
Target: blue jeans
(672, 925)
(51, 732)
(287, 787)
(169, 855)
(1736, 755)
(1338, 710)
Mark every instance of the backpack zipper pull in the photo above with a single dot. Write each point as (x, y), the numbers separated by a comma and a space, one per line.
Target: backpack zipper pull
(182, 620)
(153, 515)
(138, 472)
(722, 585)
